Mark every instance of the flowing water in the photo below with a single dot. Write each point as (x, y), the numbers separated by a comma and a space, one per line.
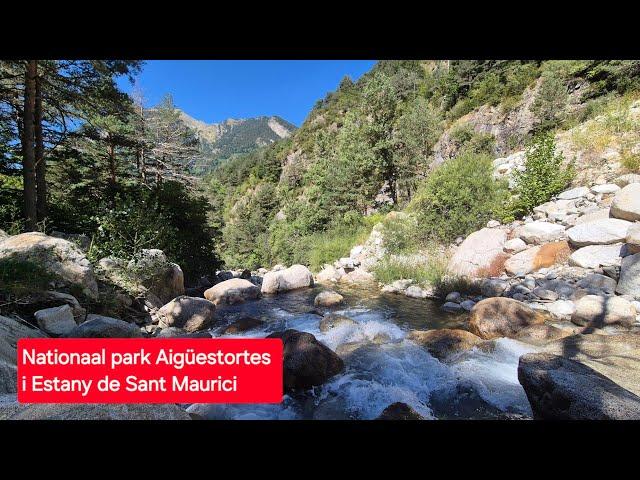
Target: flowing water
(382, 367)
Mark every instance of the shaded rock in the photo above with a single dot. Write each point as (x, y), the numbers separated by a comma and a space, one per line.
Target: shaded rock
(61, 258)
(12, 330)
(334, 320)
(328, 299)
(562, 389)
(451, 307)
(480, 255)
(595, 281)
(98, 326)
(629, 282)
(545, 294)
(56, 321)
(591, 216)
(294, 277)
(242, 325)
(493, 287)
(467, 305)
(307, 362)
(232, 291)
(537, 257)
(597, 311)
(399, 411)
(541, 232)
(92, 411)
(595, 256)
(175, 332)
(444, 342)
(599, 232)
(502, 317)
(8, 368)
(626, 204)
(454, 297)
(188, 313)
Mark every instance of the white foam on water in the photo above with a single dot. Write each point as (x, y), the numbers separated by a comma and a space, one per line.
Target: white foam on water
(231, 411)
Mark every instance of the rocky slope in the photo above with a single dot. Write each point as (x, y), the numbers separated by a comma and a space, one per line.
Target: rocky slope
(219, 141)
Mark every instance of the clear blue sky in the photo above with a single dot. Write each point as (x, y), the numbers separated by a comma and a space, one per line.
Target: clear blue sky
(214, 90)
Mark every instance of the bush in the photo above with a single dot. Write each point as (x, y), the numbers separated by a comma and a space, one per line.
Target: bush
(544, 176)
(167, 217)
(459, 197)
(21, 277)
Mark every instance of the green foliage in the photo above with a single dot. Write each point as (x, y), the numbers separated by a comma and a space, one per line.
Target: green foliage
(468, 140)
(20, 277)
(631, 162)
(545, 175)
(550, 102)
(167, 217)
(458, 197)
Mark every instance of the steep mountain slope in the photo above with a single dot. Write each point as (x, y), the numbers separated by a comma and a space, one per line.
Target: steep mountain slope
(368, 146)
(219, 141)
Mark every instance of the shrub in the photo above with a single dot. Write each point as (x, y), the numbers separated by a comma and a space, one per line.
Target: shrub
(631, 162)
(458, 197)
(543, 177)
(21, 277)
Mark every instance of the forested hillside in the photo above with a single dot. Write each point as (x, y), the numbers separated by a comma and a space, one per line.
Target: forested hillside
(369, 147)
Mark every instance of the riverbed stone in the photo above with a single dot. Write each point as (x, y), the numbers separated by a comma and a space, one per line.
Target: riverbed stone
(480, 254)
(292, 278)
(605, 189)
(541, 333)
(444, 342)
(545, 294)
(595, 256)
(56, 321)
(626, 204)
(596, 281)
(242, 325)
(626, 179)
(633, 239)
(493, 287)
(629, 282)
(99, 326)
(307, 362)
(515, 245)
(541, 232)
(357, 276)
(399, 411)
(559, 388)
(561, 308)
(235, 290)
(574, 193)
(334, 320)
(600, 214)
(188, 313)
(328, 274)
(599, 232)
(598, 311)
(502, 317)
(451, 307)
(328, 299)
(537, 257)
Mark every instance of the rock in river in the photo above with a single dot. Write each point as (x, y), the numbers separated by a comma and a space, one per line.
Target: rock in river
(502, 317)
(188, 313)
(294, 277)
(232, 291)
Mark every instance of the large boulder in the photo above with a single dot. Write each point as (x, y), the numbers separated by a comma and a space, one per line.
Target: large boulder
(334, 320)
(307, 362)
(188, 313)
(444, 342)
(294, 277)
(574, 193)
(242, 325)
(480, 254)
(91, 411)
(56, 321)
(149, 274)
(329, 274)
(502, 317)
(12, 330)
(541, 232)
(61, 258)
(614, 356)
(537, 257)
(595, 256)
(232, 291)
(541, 333)
(98, 326)
(599, 232)
(562, 389)
(597, 311)
(8, 368)
(591, 216)
(629, 282)
(626, 204)
(328, 299)
(627, 179)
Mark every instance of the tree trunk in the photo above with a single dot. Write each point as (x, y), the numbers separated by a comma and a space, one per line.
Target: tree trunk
(41, 166)
(28, 148)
